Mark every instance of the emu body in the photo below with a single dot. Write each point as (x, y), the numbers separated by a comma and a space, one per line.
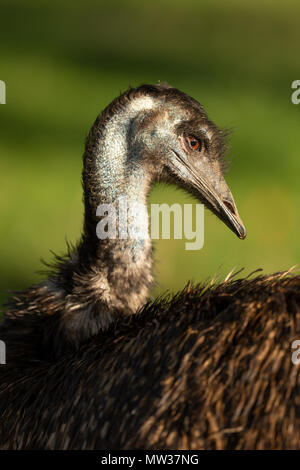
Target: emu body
(91, 365)
(210, 369)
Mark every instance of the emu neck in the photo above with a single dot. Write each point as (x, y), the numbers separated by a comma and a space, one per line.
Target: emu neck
(118, 268)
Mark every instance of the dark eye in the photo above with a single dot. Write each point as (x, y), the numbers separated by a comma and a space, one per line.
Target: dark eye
(194, 144)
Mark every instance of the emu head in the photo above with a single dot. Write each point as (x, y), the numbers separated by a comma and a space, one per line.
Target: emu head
(178, 143)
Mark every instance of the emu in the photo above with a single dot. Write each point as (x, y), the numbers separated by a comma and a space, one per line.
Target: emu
(92, 364)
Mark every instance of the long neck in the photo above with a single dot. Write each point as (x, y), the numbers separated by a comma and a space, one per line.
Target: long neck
(117, 269)
(113, 179)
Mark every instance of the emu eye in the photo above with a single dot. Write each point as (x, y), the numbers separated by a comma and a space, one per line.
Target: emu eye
(193, 143)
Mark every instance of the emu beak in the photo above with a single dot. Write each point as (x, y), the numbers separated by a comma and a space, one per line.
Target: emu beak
(228, 213)
(221, 202)
(211, 188)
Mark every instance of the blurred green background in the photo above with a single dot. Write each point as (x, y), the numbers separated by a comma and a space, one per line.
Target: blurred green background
(63, 62)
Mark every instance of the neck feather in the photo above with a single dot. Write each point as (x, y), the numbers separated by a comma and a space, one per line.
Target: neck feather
(113, 274)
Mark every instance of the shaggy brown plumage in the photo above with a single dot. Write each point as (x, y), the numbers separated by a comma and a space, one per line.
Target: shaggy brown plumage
(210, 369)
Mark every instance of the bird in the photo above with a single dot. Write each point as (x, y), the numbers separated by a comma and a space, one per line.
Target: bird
(92, 363)
(148, 134)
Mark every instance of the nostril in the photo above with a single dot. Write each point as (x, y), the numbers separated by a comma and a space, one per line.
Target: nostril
(229, 206)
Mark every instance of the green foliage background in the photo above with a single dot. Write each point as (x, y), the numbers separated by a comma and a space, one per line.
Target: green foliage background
(63, 62)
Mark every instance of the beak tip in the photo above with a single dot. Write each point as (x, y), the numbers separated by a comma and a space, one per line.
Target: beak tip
(242, 233)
